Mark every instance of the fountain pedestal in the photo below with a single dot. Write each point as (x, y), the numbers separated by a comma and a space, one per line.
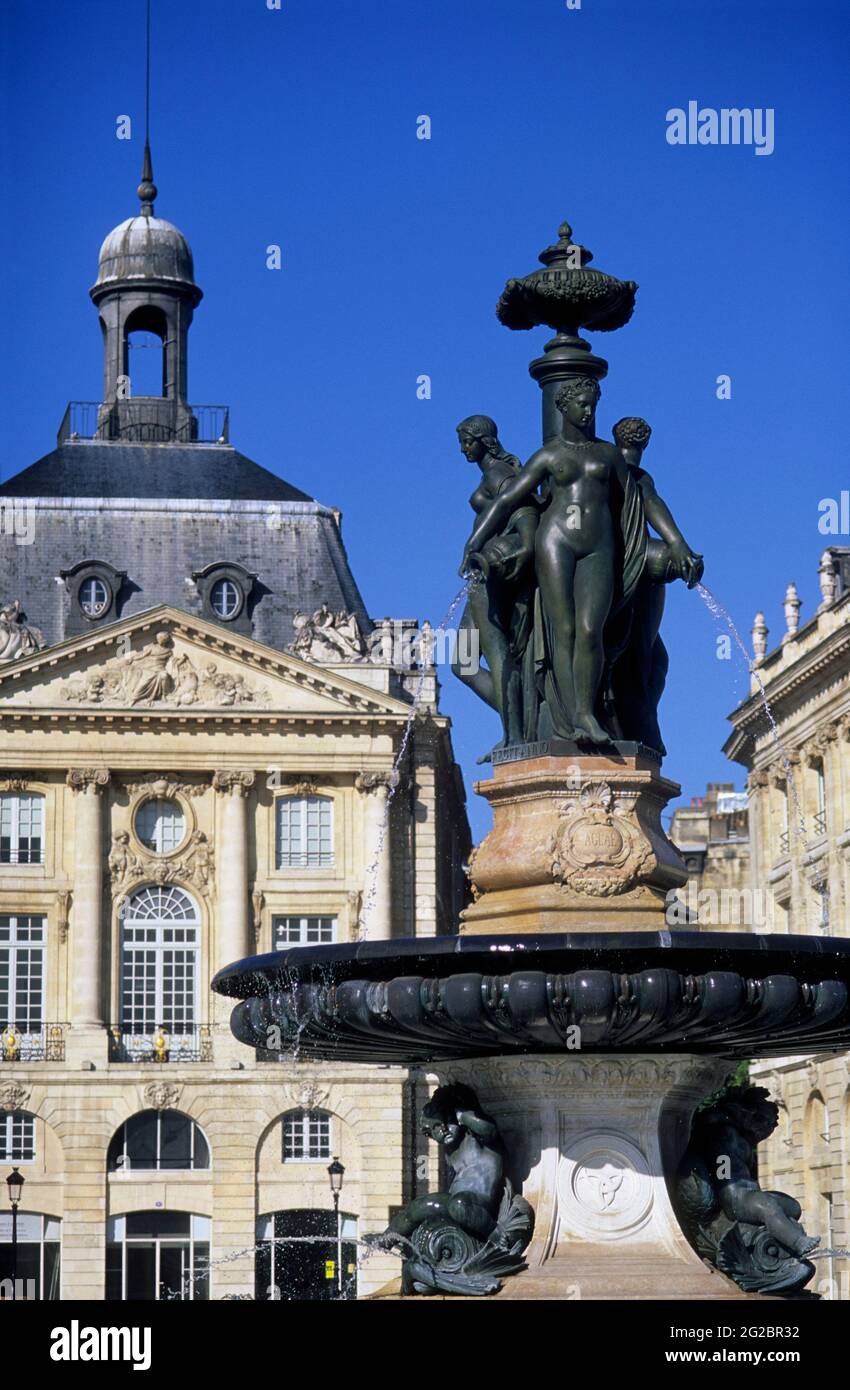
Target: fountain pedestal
(576, 843)
(591, 1142)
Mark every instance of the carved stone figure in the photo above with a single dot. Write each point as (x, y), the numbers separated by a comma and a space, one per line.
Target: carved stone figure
(17, 638)
(197, 861)
(592, 550)
(753, 1236)
(327, 636)
(157, 674)
(460, 1241)
(122, 863)
(500, 606)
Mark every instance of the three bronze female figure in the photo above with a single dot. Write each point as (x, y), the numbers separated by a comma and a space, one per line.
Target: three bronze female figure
(570, 583)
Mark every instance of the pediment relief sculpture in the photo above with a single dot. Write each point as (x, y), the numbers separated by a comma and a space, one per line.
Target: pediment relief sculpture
(158, 674)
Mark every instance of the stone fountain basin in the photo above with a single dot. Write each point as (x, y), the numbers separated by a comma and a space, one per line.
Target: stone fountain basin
(414, 1000)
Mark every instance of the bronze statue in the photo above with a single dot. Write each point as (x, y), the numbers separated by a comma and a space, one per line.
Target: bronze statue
(638, 658)
(592, 549)
(753, 1236)
(500, 604)
(460, 1241)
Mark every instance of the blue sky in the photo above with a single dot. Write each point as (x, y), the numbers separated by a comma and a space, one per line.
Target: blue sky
(298, 127)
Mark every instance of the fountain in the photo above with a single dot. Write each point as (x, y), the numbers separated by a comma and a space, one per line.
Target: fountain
(594, 1144)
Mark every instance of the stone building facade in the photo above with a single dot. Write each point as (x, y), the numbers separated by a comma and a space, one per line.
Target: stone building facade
(712, 837)
(207, 750)
(799, 820)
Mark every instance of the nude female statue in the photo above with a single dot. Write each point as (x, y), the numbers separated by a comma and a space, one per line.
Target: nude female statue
(590, 553)
(499, 606)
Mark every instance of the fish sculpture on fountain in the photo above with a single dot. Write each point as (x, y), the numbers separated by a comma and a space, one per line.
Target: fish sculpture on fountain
(463, 1240)
(755, 1237)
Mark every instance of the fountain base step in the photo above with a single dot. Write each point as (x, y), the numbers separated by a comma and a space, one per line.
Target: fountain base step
(602, 1275)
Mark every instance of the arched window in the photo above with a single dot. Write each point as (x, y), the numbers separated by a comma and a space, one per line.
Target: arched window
(817, 1132)
(144, 352)
(306, 1135)
(159, 973)
(160, 1140)
(21, 828)
(17, 1137)
(35, 1261)
(157, 1255)
(297, 1256)
(304, 832)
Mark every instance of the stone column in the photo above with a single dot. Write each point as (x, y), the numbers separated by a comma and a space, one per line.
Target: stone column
(376, 914)
(87, 784)
(234, 915)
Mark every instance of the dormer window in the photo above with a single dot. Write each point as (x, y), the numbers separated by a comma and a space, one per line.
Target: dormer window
(94, 588)
(226, 591)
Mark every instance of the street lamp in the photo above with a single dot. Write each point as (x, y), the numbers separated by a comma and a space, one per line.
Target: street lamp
(336, 1172)
(15, 1184)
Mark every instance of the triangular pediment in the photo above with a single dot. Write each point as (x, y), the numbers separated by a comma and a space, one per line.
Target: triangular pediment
(166, 661)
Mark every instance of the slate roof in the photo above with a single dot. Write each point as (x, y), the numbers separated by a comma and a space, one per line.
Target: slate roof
(89, 469)
(161, 513)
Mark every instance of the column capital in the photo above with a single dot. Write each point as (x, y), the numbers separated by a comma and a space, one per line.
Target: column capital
(88, 779)
(235, 781)
(368, 782)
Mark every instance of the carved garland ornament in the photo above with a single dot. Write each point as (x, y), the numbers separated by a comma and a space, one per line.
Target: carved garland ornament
(163, 784)
(195, 865)
(13, 1096)
(14, 784)
(595, 849)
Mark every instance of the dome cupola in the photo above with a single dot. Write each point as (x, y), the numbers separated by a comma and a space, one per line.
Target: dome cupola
(145, 284)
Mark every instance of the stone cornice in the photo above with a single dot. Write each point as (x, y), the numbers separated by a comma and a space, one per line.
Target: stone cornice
(788, 688)
(95, 715)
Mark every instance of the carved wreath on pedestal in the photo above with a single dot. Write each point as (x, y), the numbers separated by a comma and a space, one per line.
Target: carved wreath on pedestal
(597, 848)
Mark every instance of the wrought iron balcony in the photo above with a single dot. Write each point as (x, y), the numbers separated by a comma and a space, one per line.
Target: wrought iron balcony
(145, 420)
(25, 1044)
(161, 1046)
